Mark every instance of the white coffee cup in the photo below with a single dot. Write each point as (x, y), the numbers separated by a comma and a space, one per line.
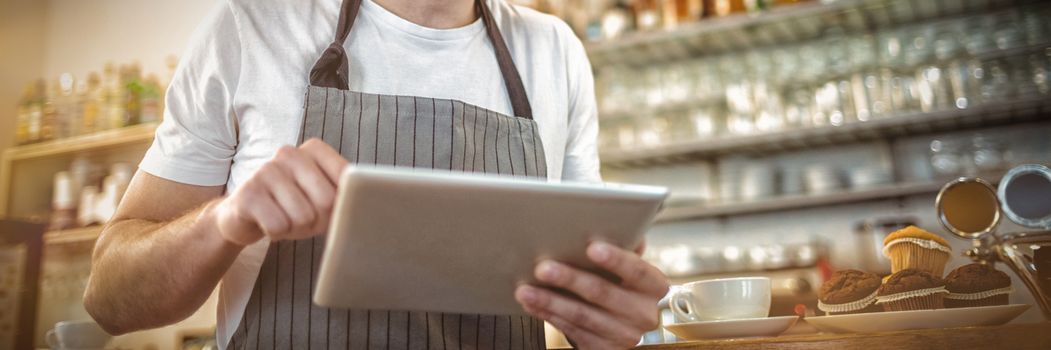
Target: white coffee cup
(722, 299)
(77, 335)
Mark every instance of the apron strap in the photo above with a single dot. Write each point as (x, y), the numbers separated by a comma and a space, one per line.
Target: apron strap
(332, 68)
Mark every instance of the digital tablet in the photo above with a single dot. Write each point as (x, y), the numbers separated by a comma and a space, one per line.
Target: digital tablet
(424, 240)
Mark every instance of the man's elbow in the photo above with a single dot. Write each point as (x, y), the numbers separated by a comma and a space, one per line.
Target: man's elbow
(115, 318)
(104, 314)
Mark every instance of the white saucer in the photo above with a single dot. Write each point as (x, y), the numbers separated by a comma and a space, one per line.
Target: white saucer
(919, 319)
(744, 328)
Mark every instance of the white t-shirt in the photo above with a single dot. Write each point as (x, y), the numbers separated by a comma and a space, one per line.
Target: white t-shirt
(237, 96)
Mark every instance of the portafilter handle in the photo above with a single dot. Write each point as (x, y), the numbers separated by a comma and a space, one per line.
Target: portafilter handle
(1028, 254)
(984, 249)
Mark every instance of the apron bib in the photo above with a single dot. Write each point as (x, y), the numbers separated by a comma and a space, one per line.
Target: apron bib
(401, 131)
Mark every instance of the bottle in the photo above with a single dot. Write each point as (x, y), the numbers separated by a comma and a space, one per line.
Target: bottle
(647, 14)
(688, 10)
(669, 14)
(63, 202)
(719, 8)
(113, 96)
(757, 5)
(36, 111)
(91, 102)
(68, 110)
(616, 20)
(49, 127)
(150, 101)
(22, 121)
(131, 81)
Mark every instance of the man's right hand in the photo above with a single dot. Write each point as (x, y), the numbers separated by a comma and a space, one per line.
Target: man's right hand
(290, 197)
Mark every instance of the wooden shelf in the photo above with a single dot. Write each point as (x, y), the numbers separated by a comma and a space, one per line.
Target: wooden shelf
(991, 114)
(72, 236)
(703, 211)
(780, 25)
(135, 134)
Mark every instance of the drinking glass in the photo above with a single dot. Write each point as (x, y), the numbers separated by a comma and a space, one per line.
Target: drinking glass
(864, 81)
(1036, 27)
(770, 110)
(705, 121)
(707, 79)
(799, 105)
(996, 80)
(977, 35)
(836, 54)
(918, 47)
(1008, 33)
(651, 131)
(654, 86)
(1041, 72)
(787, 65)
(679, 126)
(677, 82)
(1023, 76)
(948, 158)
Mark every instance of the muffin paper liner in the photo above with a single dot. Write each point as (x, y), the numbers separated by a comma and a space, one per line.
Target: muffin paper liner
(979, 295)
(910, 294)
(1000, 299)
(928, 302)
(848, 307)
(925, 243)
(915, 256)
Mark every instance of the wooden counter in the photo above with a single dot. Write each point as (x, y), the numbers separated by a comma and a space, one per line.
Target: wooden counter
(1016, 336)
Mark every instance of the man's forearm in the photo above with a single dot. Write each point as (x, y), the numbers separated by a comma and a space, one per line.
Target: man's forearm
(149, 274)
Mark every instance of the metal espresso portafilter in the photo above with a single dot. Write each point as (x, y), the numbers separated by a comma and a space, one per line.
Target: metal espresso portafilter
(971, 209)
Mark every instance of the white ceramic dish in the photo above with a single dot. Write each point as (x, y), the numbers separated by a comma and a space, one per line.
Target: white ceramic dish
(743, 328)
(919, 319)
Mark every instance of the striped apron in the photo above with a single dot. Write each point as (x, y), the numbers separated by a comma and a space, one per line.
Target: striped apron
(401, 131)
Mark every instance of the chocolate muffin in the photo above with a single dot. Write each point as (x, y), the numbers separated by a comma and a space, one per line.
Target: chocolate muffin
(977, 285)
(849, 292)
(912, 289)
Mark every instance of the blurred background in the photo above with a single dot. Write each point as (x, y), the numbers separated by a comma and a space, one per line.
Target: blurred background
(794, 134)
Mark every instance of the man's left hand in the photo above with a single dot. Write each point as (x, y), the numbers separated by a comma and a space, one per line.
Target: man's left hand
(604, 315)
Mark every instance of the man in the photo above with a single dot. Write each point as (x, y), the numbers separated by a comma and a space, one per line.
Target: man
(241, 178)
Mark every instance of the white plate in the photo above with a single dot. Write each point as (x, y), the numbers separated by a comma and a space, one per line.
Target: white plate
(919, 319)
(751, 327)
